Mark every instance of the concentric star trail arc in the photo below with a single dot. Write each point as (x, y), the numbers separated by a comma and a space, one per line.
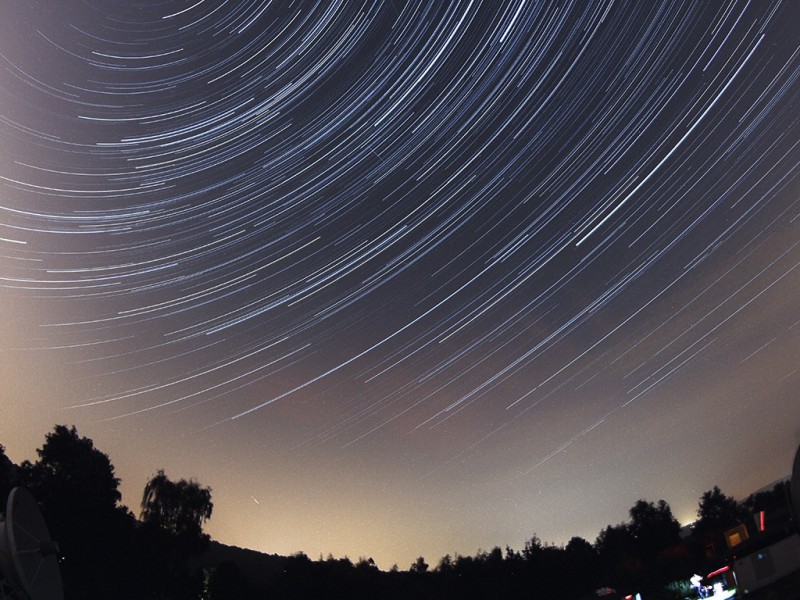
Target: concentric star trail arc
(453, 237)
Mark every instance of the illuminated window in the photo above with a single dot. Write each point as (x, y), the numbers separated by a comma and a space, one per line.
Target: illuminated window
(735, 536)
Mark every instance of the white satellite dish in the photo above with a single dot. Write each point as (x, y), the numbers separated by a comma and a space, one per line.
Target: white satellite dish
(28, 557)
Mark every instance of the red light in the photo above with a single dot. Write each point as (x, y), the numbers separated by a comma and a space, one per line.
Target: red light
(629, 597)
(717, 572)
(761, 521)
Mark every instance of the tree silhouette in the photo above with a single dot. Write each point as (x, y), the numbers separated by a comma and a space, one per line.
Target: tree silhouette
(581, 550)
(419, 565)
(445, 565)
(225, 582)
(181, 508)
(70, 469)
(616, 549)
(173, 514)
(77, 489)
(718, 512)
(653, 528)
(775, 499)
(8, 478)
(583, 564)
(656, 533)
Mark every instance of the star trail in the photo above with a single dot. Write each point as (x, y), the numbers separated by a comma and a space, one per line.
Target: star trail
(420, 277)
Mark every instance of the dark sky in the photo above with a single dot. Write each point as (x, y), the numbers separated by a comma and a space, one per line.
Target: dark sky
(399, 278)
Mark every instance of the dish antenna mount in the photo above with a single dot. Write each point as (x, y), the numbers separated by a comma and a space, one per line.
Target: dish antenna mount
(28, 557)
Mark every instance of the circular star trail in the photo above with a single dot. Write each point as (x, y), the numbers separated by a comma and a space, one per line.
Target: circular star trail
(492, 241)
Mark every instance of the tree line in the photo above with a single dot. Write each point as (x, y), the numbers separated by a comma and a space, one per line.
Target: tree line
(163, 553)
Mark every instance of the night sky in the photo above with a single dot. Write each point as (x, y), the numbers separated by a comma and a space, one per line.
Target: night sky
(403, 278)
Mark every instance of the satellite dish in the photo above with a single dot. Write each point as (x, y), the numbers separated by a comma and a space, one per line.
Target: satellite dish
(28, 557)
(794, 485)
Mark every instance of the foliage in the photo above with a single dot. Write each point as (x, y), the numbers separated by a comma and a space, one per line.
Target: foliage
(110, 555)
(365, 564)
(653, 528)
(419, 566)
(718, 512)
(225, 582)
(8, 478)
(642, 553)
(71, 470)
(178, 507)
(445, 564)
(773, 500)
(77, 489)
(173, 514)
(615, 547)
